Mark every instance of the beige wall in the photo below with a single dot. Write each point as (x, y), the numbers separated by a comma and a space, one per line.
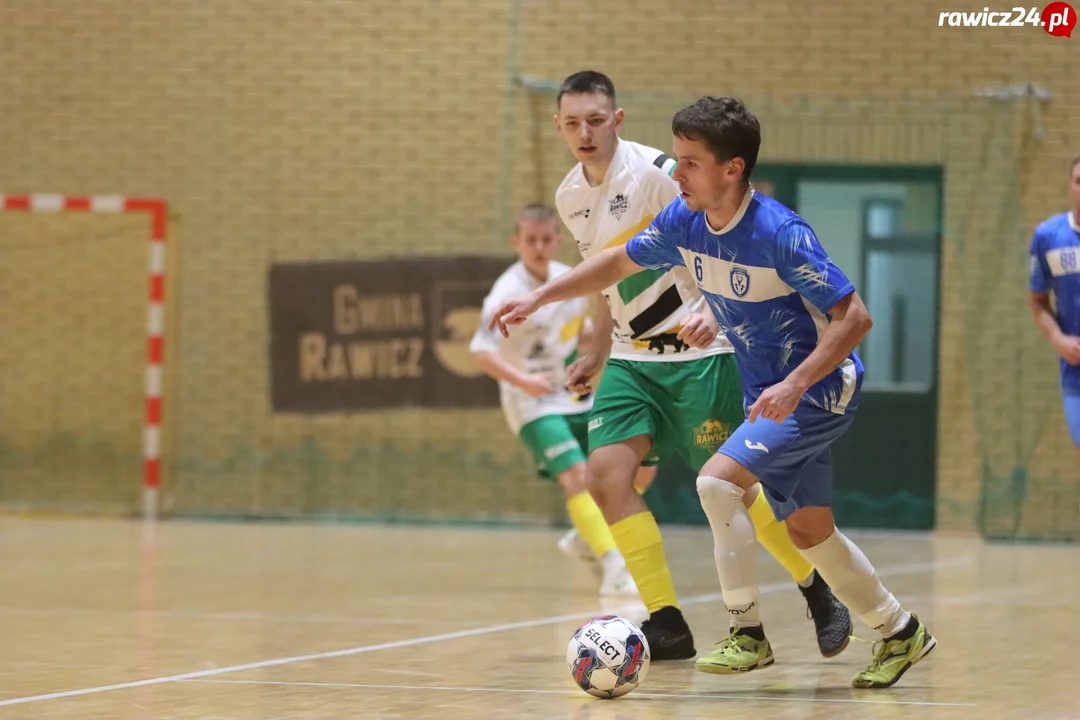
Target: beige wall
(315, 130)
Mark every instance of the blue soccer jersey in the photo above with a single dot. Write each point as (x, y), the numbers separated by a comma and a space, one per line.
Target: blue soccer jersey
(769, 283)
(1055, 267)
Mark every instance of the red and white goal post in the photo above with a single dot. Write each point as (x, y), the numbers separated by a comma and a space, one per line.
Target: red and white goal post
(156, 209)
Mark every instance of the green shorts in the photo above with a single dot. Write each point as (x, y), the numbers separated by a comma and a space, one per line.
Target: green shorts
(689, 408)
(557, 442)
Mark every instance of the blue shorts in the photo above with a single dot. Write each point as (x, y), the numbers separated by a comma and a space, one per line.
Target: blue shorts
(791, 458)
(1071, 401)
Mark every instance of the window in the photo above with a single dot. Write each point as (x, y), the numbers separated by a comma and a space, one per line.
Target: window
(884, 235)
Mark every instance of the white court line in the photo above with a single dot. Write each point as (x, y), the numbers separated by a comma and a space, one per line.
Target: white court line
(910, 569)
(661, 696)
(239, 615)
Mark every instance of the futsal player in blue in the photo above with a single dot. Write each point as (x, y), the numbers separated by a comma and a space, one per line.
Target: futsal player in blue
(794, 319)
(1055, 267)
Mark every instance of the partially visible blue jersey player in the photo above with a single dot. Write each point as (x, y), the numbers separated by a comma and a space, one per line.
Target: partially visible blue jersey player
(1055, 268)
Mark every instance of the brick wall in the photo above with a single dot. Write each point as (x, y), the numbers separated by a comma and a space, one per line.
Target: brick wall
(312, 130)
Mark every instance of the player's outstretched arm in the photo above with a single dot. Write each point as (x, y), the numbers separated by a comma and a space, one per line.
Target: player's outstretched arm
(1068, 347)
(499, 368)
(590, 277)
(850, 323)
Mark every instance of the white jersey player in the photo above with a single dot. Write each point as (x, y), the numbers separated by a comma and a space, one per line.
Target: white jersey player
(550, 420)
(647, 309)
(543, 349)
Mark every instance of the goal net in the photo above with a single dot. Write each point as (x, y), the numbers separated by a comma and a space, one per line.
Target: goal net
(82, 320)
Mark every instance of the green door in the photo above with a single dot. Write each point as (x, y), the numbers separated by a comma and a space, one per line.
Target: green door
(881, 226)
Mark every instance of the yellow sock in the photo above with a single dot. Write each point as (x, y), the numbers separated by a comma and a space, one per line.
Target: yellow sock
(638, 539)
(773, 537)
(590, 523)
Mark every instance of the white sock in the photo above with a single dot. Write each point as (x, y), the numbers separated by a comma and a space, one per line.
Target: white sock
(807, 581)
(612, 562)
(734, 548)
(855, 583)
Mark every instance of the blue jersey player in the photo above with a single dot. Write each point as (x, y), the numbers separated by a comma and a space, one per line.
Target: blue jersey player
(794, 320)
(1055, 267)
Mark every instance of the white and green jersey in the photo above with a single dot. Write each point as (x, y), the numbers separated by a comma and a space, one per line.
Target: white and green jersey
(647, 307)
(547, 342)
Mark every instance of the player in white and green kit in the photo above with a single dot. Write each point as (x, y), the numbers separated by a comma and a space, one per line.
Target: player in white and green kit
(550, 420)
(671, 385)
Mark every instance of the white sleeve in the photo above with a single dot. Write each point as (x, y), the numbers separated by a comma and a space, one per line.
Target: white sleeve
(660, 189)
(484, 340)
(559, 207)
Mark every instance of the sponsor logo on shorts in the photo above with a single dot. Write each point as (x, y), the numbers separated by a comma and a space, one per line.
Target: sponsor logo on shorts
(556, 450)
(711, 434)
(755, 446)
(595, 423)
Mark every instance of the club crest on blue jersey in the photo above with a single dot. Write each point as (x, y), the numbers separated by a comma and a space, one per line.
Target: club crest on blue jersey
(740, 282)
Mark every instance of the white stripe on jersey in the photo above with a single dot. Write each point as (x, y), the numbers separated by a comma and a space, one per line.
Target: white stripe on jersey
(747, 283)
(847, 367)
(1063, 261)
(820, 321)
(850, 379)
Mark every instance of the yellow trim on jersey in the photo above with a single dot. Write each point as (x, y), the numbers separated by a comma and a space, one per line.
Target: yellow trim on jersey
(625, 237)
(570, 330)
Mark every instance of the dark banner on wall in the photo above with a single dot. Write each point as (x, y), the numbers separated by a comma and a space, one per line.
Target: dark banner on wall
(378, 334)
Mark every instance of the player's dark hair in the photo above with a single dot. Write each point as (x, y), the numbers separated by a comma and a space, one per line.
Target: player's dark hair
(726, 127)
(536, 212)
(1074, 163)
(586, 82)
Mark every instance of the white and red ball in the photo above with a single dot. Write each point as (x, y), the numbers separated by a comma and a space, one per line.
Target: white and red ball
(608, 656)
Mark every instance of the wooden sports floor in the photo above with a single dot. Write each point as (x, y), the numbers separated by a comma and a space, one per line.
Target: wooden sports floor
(114, 619)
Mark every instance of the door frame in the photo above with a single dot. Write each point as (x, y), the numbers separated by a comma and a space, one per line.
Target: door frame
(785, 178)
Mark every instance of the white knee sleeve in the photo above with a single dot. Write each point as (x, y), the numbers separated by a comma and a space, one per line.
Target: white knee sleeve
(734, 545)
(719, 498)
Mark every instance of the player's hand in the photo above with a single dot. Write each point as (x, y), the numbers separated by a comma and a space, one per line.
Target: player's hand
(512, 312)
(1069, 349)
(699, 329)
(582, 371)
(538, 385)
(777, 402)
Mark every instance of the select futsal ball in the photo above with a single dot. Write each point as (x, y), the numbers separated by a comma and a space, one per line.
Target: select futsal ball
(608, 656)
